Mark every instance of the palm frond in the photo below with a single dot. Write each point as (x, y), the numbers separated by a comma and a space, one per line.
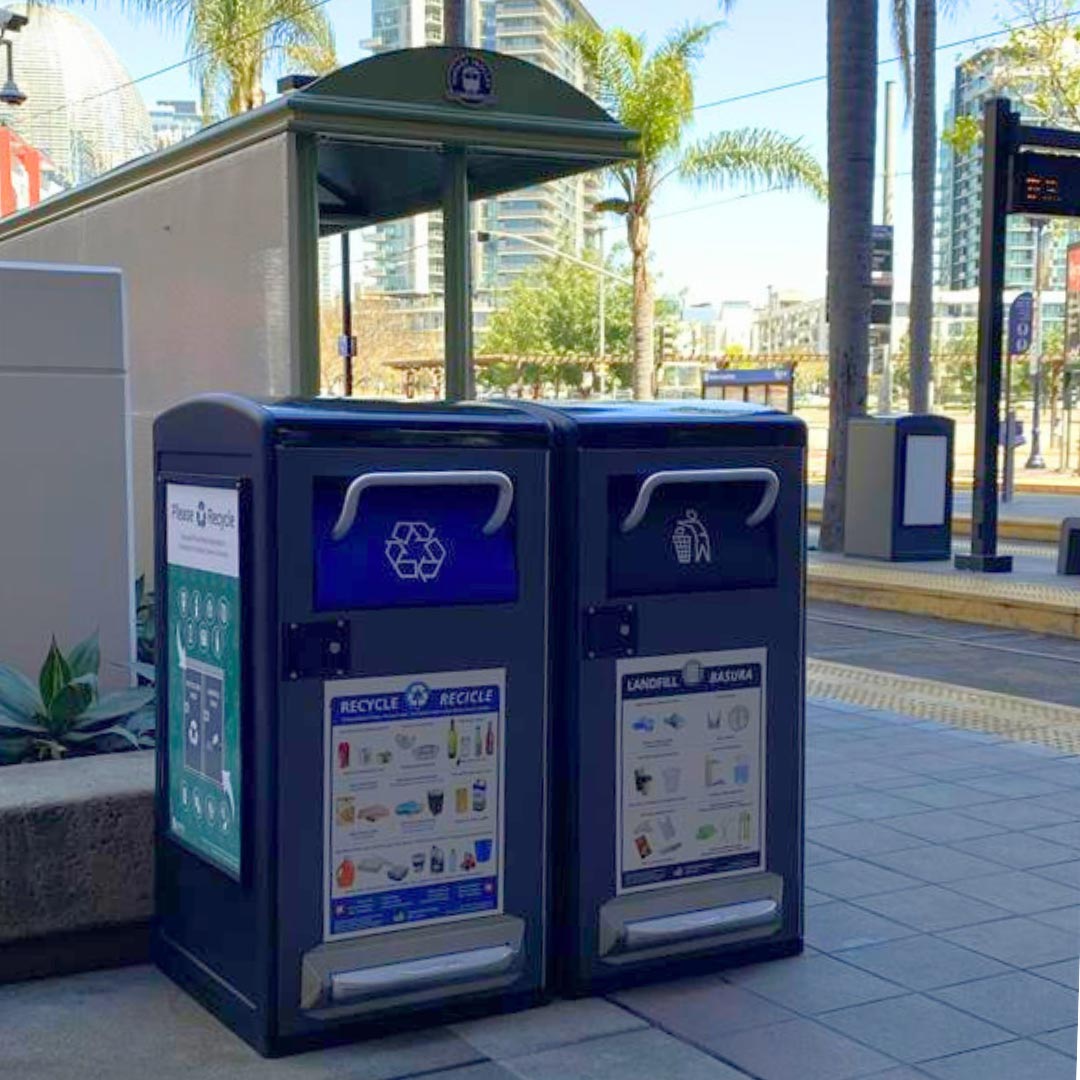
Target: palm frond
(687, 44)
(754, 157)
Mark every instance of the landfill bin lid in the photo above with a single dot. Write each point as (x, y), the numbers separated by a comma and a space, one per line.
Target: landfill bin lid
(345, 421)
(670, 423)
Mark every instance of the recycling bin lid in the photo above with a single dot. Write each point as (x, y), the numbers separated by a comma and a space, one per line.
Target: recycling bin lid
(670, 423)
(345, 421)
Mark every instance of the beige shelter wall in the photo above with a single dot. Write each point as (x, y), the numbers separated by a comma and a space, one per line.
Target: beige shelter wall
(206, 258)
(64, 467)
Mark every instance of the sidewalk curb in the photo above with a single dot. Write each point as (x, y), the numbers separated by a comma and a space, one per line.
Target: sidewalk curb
(1043, 609)
(1043, 530)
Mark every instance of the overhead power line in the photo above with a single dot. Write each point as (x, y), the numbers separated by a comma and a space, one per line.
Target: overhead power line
(810, 80)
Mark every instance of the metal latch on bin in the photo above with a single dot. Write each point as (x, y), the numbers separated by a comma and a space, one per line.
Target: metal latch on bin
(610, 631)
(316, 649)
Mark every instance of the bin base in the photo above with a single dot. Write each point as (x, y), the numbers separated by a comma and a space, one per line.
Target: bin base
(255, 1026)
(984, 564)
(662, 970)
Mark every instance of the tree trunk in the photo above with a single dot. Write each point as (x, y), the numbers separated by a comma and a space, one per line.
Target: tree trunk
(637, 231)
(923, 165)
(454, 31)
(852, 66)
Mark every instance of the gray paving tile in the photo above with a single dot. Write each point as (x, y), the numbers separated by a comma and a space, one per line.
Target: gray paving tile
(1063, 771)
(870, 805)
(864, 838)
(1018, 850)
(1063, 1041)
(1015, 786)
(811, 897)
(1066, 873)
(1067, 801)
(136, 1023)
(941, 826)
(816, 855)
(935, 864)
(914, 1028)
(931, 907)
(1022, 942)
(1067, 834)
(1017, 814)
(482, 1070)
(902, 1072)
(1065, 972)
(817, 814)
(550, 1025)
(695, 1008)
(799, 1048)
(924, 962)
(813, 984)
(1016, 1001)
(1063, 918)
(646, 1053)
(1018, 891)
(847, 879)
(944, 795)
(1019, 1060)
(839, 925)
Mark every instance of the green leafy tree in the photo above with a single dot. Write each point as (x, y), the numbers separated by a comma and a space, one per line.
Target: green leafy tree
(1039, 64)
(653, 93)
(552, 311)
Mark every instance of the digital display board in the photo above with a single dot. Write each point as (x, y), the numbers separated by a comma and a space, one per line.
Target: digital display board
(1045, 184)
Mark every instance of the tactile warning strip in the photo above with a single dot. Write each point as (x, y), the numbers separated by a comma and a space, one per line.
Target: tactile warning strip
(1024, 719)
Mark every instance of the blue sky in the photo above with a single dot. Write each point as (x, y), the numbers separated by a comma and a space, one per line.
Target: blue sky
(711, 244)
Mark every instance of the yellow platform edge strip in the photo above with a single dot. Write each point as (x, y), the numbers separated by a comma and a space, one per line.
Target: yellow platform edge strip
(1022, 719)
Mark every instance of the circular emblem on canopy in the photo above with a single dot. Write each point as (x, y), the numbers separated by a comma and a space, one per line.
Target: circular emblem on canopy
(469, 81)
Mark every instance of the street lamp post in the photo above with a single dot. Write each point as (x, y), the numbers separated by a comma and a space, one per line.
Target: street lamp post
(1035, 458)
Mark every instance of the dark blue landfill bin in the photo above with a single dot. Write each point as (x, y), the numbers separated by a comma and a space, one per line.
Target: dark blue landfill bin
(351, 789)
(678, 698)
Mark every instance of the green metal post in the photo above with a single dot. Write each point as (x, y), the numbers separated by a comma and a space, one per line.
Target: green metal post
(457, 275)
(304, 264)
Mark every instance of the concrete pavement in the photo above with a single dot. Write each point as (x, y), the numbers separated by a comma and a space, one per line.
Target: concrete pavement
(943, 899)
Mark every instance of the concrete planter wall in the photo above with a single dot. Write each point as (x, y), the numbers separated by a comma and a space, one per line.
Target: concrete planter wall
(76, 863)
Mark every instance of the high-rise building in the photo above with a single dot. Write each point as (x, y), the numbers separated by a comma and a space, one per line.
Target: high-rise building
(81, 108)
(173, 121)
(408, 256)
(959, 199)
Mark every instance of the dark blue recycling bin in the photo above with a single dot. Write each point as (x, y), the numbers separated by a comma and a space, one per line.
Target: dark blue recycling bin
(351, 788)
(678, 696)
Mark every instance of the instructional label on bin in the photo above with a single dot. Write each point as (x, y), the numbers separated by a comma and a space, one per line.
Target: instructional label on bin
(691, 767)
(414, 800)
(202, 526)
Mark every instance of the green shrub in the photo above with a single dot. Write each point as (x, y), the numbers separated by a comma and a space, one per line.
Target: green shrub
(65, 715)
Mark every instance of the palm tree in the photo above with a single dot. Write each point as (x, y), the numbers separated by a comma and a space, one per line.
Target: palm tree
(232, 42)
(852, 67)
(921, 92)
(653, 93)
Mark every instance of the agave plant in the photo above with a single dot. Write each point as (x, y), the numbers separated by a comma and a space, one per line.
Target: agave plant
(64, 713)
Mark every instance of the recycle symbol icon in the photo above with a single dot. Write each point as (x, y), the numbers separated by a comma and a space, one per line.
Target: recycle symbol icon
(415, 552)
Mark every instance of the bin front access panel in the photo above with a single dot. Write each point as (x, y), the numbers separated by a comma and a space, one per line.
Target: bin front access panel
(351, 775)
(678, 725)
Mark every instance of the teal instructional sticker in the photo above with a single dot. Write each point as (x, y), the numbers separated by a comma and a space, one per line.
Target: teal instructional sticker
(203, 627)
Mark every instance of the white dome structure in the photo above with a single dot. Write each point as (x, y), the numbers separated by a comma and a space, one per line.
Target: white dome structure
(78, 109)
